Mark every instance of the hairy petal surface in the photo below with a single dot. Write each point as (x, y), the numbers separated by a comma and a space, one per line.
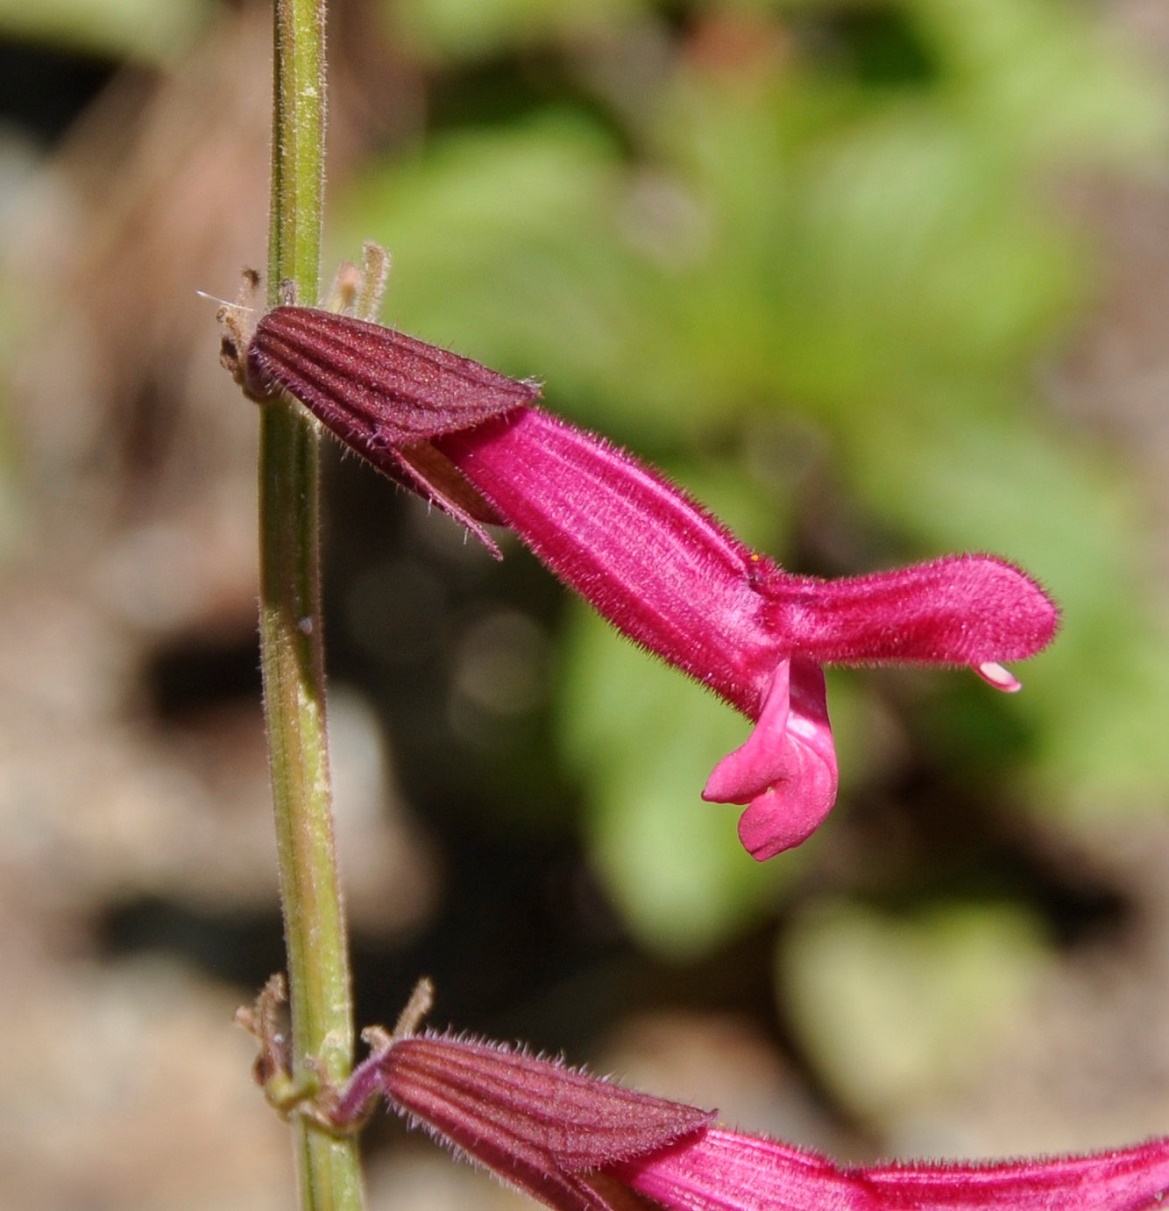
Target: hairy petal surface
(725, 1171)
(787, 769)
(962, 610)
(720, 1170)
(645, 556)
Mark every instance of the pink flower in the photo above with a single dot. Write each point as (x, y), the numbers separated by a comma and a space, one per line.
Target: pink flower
(576, 1142)
(647, 557)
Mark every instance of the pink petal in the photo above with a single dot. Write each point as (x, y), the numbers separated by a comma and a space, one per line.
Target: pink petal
(646, 556)
(637, 548)
(786, 770)
(720, 1170)
(1123, 1179)
(975, 610)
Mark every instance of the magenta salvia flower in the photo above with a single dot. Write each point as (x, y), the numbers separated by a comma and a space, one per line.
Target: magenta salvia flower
(574, 1142)
(646, 556)
(677, 582)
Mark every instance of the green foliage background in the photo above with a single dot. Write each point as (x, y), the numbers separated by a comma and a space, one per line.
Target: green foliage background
(813, 259)
(810, 262)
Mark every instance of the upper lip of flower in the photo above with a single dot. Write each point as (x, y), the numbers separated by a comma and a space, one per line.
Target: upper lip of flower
(649, 558)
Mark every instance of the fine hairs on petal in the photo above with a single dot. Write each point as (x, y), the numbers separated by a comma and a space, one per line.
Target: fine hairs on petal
(722, 1170)
(959, 610)
(472, 1089)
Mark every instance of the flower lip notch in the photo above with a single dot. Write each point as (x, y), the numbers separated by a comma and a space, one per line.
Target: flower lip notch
(649, 558)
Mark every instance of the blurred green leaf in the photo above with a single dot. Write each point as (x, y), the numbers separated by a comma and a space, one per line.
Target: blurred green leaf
(1047, 77)
(471, 28)
(142, 30)
(502, 245)
(895, 1010)
(646, 739)
(1096, 702)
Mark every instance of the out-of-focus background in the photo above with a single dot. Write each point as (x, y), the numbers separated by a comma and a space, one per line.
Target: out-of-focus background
(876, 281)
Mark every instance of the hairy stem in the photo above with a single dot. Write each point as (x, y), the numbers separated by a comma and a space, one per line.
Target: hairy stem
(291, 630)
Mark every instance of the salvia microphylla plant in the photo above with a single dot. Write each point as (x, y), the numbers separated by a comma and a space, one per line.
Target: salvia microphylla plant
(576, 1142)
(647, 557)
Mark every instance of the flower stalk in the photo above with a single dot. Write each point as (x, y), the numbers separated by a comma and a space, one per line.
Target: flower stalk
(329, 1175)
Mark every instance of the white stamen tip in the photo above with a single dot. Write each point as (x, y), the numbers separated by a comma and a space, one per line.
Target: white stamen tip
(213, 298)
(996, 675)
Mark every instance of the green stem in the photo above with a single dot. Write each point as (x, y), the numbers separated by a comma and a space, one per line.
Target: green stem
(291, 629)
